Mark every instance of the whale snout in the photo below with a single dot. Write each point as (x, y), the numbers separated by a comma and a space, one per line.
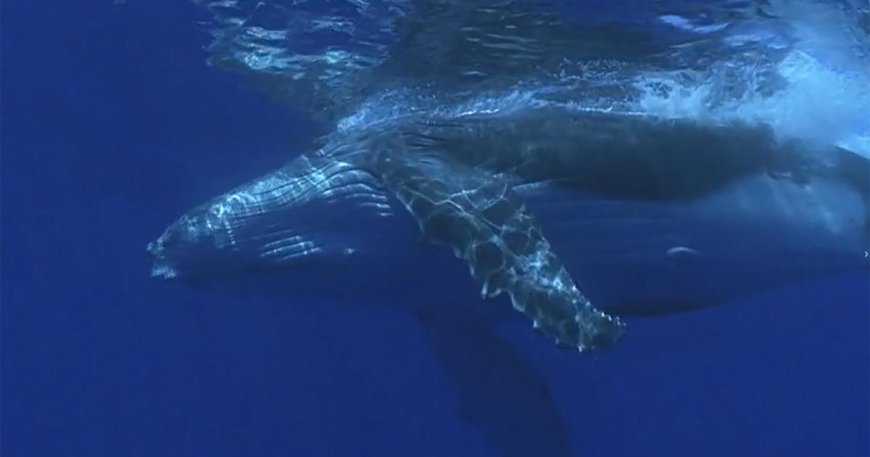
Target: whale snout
(188, 245)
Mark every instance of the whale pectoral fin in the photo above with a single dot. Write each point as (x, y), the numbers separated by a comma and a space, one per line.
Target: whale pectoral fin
(488, 226)
(504, 398)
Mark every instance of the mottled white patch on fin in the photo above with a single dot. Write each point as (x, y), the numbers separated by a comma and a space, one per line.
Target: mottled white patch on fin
(490, 227)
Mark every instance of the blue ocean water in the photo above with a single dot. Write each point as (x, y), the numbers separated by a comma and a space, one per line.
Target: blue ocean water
(112, 124)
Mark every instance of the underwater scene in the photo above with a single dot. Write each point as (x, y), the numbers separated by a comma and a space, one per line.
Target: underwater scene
(435, 228)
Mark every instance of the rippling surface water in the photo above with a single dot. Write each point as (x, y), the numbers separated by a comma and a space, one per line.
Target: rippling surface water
(801, 66)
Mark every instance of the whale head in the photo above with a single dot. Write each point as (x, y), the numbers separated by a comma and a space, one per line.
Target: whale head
(314, 209)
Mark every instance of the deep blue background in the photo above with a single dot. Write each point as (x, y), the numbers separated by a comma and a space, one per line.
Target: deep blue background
(112, 125)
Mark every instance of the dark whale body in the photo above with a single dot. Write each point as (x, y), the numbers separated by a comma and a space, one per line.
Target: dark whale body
(691, 214)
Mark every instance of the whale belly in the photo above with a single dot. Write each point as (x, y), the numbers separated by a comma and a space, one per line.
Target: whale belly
(654, 257)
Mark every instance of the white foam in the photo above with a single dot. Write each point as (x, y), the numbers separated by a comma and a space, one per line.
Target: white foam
(826, 98)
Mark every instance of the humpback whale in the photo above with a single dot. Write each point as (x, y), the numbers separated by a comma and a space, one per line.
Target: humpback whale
(576, 216)
(712, 212)
(571, 215)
